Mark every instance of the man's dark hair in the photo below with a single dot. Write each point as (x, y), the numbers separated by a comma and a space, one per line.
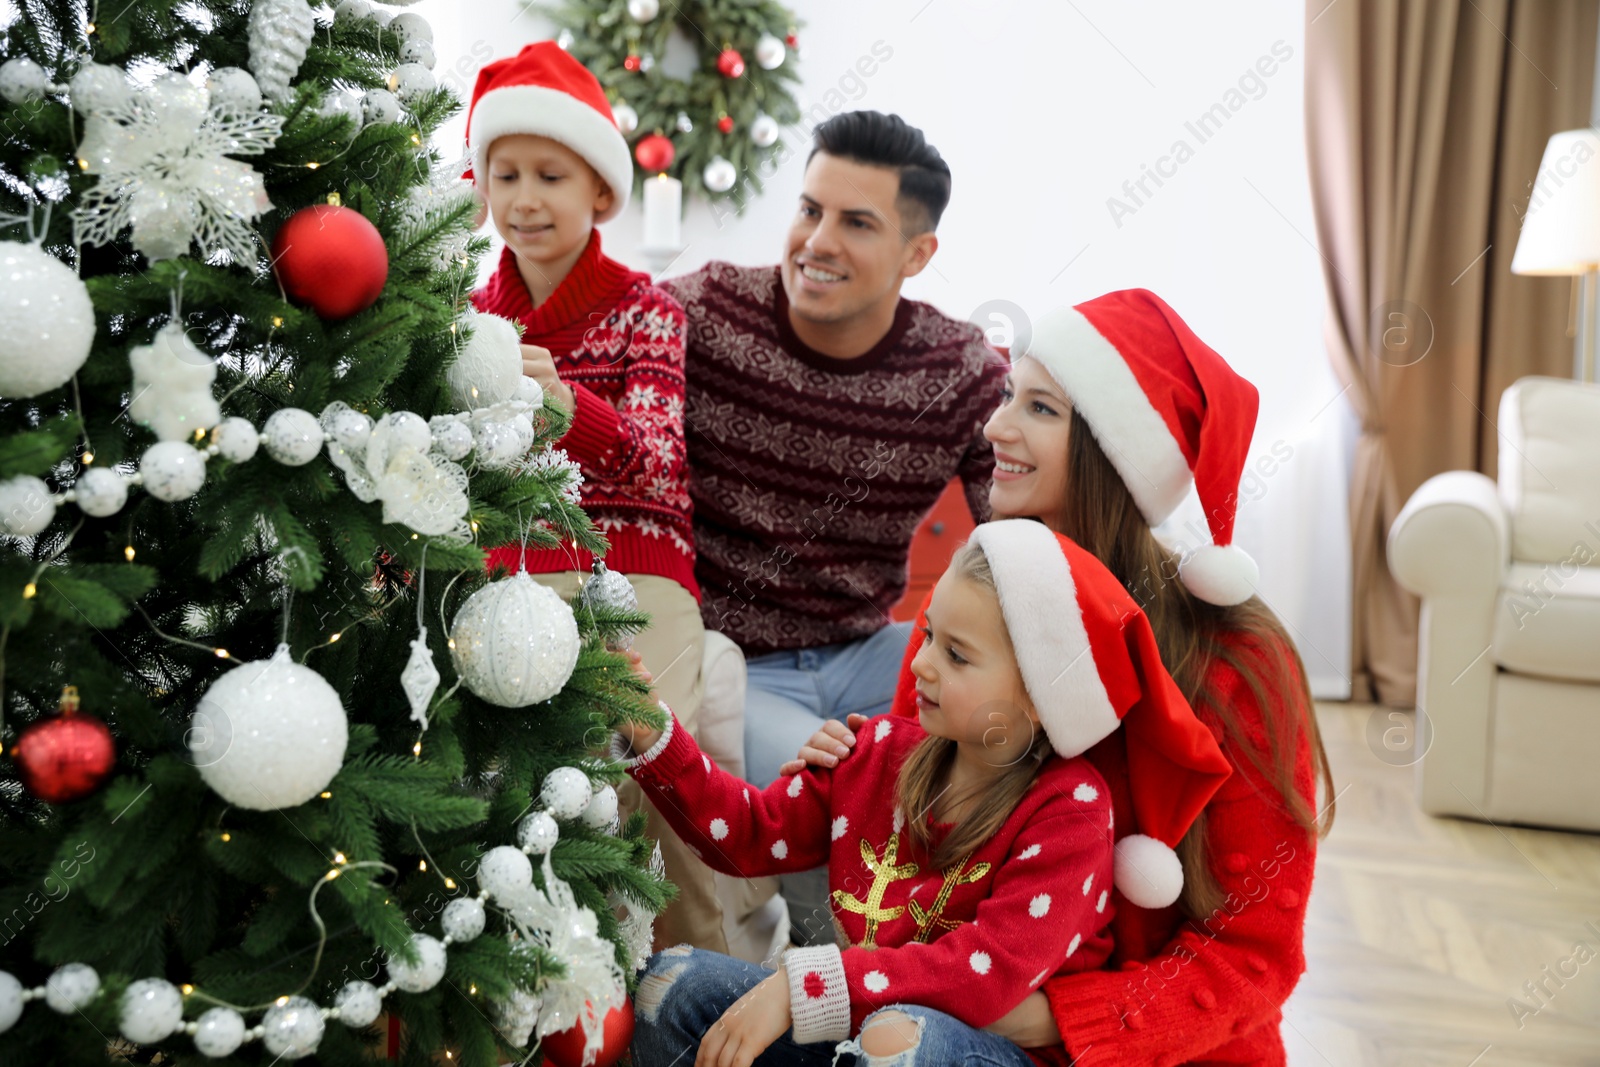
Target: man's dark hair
(880, 140)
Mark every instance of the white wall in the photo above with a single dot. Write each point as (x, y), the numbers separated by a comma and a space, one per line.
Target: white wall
(1044, 110)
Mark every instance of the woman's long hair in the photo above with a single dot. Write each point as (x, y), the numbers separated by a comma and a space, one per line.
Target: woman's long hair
(920, 786)
(1101, 516)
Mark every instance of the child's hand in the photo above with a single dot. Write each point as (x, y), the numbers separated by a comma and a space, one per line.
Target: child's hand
(749, 1026)
(540, 365)
(827, 746)
(639, 736)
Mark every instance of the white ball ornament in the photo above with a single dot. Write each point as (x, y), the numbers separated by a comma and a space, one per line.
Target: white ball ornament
(496, 443)
(234, 91)
(626, 118)
(22, 80)
(100, 492)
(566, 792)
(463, 919)
(515, 642)
(643, 10)
(452, 438)
(394, 432)
(292, 436)
(352, 11)
(236, 440)
(426, 972)
(489, 366)
(152, 1009)
(410, 26)
(770, 52)
(411, 82)
(379, 105)
(504, 871)
(530, 392)
(339, 103)
(219, 1032)
(382, 17)
(46, 321)
(350, 428)
(358, 1004)
(419, 52)
(71, 988)
(292, 1028)
(764, 131)
(269, 734)
(602, 809)
(172, 471)
(11, 1001)
(98, 87)
(25, 506)
(538, 833)
(719, 175)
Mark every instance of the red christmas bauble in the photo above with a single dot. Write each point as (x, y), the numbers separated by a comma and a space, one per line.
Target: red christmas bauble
(655, 153)
(331, 259)
(792, 40)
(631, 63)
(731, 63)
(565, 1049)
(725, 124)
(66, 757)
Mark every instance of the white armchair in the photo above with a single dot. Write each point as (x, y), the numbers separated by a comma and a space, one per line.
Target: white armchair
(1508, 668)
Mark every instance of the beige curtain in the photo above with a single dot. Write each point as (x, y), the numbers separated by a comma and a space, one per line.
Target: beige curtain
(1425, 123)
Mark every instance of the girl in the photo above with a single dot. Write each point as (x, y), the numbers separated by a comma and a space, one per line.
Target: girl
(1116, 410)
(990, 869)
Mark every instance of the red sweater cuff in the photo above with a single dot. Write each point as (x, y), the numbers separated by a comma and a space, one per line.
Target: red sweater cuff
(596, 429)
(1092, 1024)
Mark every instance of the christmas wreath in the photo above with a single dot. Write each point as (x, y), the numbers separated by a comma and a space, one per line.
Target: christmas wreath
(714, 130)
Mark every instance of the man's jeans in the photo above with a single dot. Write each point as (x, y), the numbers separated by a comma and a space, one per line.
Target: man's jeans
(788, 697)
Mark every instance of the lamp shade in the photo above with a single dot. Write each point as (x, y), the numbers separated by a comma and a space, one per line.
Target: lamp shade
(1561, 231)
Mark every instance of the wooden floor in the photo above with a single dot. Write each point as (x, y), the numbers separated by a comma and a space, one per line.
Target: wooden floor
(1421, 931)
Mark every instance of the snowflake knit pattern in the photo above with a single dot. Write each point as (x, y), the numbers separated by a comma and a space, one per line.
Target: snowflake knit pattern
(971, 940)
(811, 473)
(618, 341)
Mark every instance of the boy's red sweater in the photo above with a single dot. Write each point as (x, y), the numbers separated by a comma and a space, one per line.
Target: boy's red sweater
(971, 940)
(618, 341)
(1181, 991)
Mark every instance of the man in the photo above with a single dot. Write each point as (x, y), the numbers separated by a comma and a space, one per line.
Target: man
(825, 414)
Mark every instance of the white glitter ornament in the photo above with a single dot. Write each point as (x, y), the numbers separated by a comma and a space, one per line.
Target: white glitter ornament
(152, 1009)
(269, 734)
(644, 10)
(22, 80)
(233, 91)
(627, 119)
(719, 175)
(608, 590)
(352, 10)
(280, 32)
(452, 438)
(71, 988)
(358, 1004)
(496, 444)
(340, 103)
(160, 158)
(25, 506)
(489, 366)
(236, 439)
(418, 52)
(504, 870)
(219, 1032)
(684, 123)
(514, 642)
(100, 492)
(463, 919)
(379, 105)
(420, 679)
(11, 1001)
(98, 87)
(46, 321)
(565, 792)
(764, 131)
(426, 493)
(382, 17)
(410, 26)
(292, 436)
(602, 810)
(538, 833)
(770, 51)
(396, 431)
(344, 424)
(292, 1028)
(172, 471)
(516, 1017)
(172, 381)
(411, 82)
(426, 972)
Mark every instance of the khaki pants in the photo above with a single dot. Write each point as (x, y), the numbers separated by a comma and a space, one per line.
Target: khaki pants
(671, 649)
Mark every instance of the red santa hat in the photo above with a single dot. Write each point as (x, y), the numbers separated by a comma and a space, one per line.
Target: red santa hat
(1090, 662)
(1168, 411)
(543, 90)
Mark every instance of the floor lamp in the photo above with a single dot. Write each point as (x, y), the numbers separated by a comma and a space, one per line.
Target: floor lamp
(1561, 231)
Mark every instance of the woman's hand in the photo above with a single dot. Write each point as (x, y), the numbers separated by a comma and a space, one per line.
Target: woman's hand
(827, 746)
(1029, 1024)
(749, 1026)
(640, 737)
(540, 365)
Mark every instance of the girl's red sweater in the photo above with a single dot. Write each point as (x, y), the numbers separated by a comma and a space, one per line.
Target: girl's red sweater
(618, 341)
(1178, 990)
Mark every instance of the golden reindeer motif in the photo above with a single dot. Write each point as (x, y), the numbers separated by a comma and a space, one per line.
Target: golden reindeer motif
(929, 922)
(885, 872)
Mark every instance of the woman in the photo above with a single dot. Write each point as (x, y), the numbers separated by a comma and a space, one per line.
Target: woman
(1116, 410)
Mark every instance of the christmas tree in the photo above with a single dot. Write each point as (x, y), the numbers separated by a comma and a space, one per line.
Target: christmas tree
(281, 755)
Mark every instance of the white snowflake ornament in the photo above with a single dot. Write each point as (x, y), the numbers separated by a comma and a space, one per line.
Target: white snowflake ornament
(172, 381)
(420, 679)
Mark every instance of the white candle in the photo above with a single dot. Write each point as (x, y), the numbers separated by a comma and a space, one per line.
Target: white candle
(663, 212)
